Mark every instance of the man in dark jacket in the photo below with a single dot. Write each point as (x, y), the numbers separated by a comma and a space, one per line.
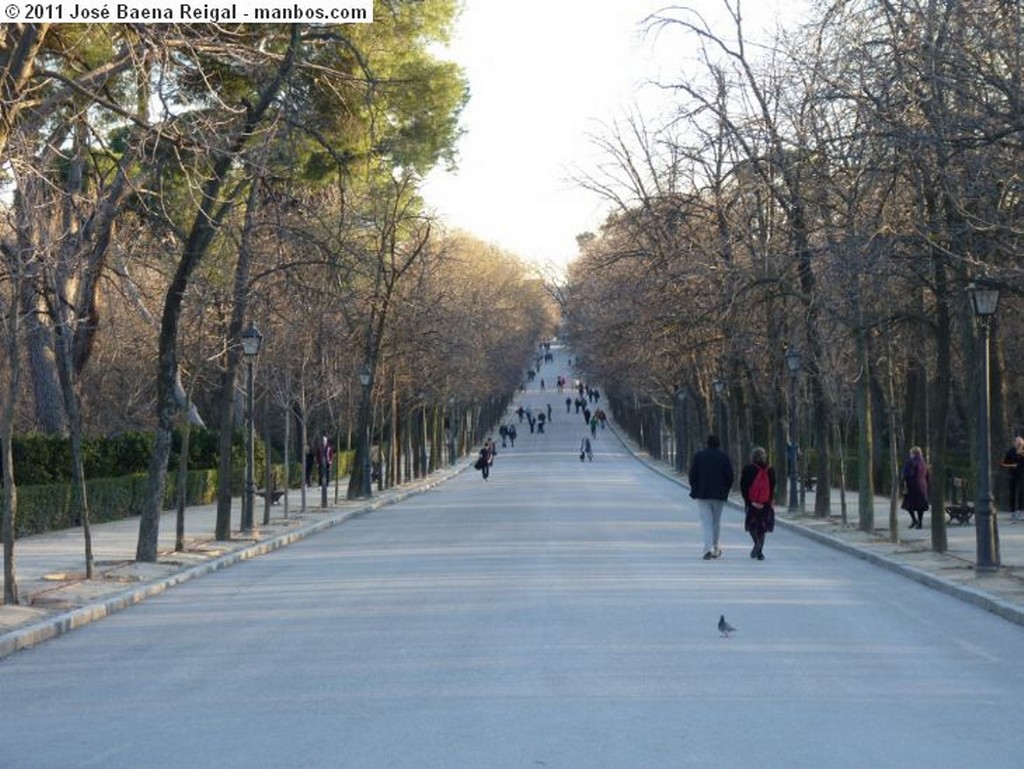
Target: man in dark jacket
(711, 477)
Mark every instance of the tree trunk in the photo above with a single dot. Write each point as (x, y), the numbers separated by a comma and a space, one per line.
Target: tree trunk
(9, 490)
(21, 44)
(865, 436)
(225, 438)
(940, 399)
(268, 469)
(357, 480)
(49, 403)
(212, 212)
(179, 532)
(287, 448)
(73, 407)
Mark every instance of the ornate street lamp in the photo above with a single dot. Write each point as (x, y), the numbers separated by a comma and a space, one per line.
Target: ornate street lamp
(679, 420)
(365, 376)
(719, 385)
(424, 461)
(252, 339)
(985, 301)
(449, 430)
(793, 363)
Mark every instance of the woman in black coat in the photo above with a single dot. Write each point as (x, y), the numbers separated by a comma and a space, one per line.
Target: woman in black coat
(760, 517)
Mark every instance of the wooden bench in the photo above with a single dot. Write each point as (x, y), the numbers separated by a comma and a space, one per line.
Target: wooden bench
(275, 495)
(959, 510)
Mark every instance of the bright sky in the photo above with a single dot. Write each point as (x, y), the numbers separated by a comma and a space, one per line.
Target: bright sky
(545, 76)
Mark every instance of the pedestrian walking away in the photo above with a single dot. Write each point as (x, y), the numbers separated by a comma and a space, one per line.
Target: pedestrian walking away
(1013, 463)
(711, 477)
(757, 485)
(325, 458)
(485, 459)
(915, 480)
(585, 449)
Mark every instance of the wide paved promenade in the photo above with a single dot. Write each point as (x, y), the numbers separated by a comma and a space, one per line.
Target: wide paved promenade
(557, 614)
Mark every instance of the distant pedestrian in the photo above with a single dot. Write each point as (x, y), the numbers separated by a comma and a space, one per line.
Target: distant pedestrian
(711, 477)
(485, 459)
(915, 483)
(1013, 463)
(549, 412)
(503, 432)
(512, 435)
(568, 405)
(325, 458)
(585, 449)
(757, 485)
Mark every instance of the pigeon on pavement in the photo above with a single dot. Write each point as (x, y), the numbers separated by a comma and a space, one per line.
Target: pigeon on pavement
(724, 627)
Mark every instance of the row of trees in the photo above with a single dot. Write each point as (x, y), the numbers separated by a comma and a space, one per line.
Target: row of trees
(834, 191)
(164, 185)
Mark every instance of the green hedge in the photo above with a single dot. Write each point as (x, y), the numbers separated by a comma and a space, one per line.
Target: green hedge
(48, 507)
(40, 459)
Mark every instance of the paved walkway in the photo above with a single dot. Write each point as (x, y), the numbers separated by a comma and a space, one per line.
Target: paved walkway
(56, 598)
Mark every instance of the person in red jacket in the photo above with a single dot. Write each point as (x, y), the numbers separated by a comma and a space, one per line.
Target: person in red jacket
(757, 485)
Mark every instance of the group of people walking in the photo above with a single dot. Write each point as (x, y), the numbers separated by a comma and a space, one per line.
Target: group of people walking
(915, 479)
(711, 479)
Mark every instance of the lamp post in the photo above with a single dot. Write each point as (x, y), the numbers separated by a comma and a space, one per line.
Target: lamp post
(718, 385)
(449, 430)
(984, 301)
(251, 341)
(793, 363)
(365, 375)
(423, 435)
(678, 417)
